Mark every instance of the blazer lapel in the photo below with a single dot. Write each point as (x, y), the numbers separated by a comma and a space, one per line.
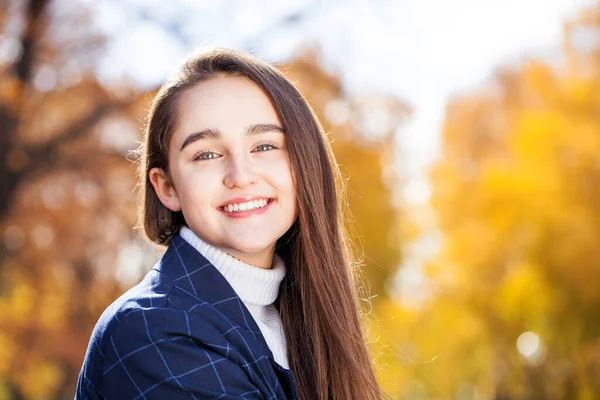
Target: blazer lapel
(196, 275)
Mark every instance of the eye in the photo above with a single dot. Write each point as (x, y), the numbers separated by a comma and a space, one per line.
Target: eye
(265, 147)
(205, 155)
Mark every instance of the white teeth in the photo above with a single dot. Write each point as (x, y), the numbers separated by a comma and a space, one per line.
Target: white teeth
(250, 205)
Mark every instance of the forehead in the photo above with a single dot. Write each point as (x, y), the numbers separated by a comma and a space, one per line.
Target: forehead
(228, 104)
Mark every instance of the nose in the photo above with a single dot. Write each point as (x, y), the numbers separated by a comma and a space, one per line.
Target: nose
(239, 172)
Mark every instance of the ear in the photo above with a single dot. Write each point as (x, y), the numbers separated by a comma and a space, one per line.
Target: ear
(164, 189)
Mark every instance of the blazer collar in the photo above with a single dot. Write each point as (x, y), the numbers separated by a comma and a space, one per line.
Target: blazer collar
(192, 272)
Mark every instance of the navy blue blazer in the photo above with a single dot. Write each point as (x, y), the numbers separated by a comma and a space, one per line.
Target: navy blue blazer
(181, 333)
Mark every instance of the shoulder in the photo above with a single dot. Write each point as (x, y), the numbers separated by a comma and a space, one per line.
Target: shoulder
(152, 311)
(151, 294)
(142, 329)
(170, 353)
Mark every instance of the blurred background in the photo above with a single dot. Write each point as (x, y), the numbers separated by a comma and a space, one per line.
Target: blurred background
(468, 131)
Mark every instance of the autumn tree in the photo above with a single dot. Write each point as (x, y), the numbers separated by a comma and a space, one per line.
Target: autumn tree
(516, 198)
(65, 198)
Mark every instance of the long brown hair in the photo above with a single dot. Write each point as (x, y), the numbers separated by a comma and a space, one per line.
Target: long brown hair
(318, 298)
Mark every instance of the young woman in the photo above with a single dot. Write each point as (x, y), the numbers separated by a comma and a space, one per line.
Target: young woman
(254, 297)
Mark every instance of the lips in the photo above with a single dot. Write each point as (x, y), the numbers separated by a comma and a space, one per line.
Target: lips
(247, 208)
(245, 199)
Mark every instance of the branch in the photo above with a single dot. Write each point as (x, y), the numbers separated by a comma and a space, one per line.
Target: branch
(41, 156)
(33, 31)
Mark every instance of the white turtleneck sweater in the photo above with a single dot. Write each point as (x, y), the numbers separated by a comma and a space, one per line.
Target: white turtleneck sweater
(256, 287)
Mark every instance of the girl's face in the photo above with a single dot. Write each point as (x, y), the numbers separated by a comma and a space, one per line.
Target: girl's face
(230, 169)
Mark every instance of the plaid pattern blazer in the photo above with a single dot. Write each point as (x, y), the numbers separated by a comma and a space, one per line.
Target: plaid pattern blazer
(181, 333)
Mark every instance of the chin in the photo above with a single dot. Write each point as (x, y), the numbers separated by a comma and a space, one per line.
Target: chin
(251, 247)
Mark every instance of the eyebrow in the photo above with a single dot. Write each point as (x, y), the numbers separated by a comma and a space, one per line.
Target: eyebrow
(253, 129)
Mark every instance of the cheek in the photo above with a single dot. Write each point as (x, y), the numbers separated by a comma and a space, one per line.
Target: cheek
(287, 173)
(289, 182)
(196, 186)
(285, 177)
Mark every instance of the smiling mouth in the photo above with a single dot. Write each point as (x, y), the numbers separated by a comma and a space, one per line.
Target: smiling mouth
(246, 206)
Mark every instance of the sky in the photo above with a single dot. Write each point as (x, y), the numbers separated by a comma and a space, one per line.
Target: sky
(422, 51)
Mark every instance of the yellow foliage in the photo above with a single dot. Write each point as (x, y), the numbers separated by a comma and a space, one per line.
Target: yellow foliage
(21, 303)
(41, 377)
(6, 353)
(517, 197)
(4, 392)
(524, 296)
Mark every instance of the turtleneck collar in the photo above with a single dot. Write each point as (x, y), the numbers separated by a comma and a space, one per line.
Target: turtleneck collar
(252, 284)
